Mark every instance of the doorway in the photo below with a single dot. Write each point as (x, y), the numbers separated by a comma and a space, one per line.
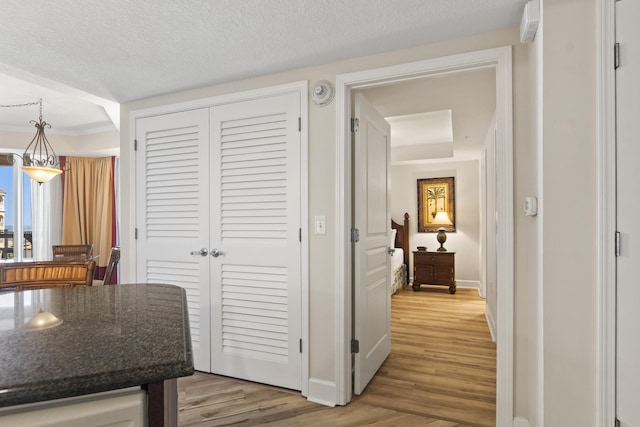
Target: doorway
(442, 127)
(500, 60)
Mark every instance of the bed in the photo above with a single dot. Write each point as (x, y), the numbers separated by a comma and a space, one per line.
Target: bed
(400, 257)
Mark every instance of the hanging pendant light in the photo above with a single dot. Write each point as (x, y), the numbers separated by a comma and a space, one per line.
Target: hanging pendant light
(39, 161)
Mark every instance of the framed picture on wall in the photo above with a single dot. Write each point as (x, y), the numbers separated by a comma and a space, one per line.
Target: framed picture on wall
(436, 195)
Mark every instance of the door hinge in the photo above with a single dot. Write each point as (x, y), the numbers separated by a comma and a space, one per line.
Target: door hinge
(299, 124)
(136, 234)
(355, 235)
(135, 145)
(355, 346)
(617, 423)
(617, 243)
(355, 125)
(616, 56)
(300, 234)
(300, 345)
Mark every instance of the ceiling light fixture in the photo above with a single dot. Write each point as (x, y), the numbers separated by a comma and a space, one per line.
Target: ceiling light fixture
(39, 161)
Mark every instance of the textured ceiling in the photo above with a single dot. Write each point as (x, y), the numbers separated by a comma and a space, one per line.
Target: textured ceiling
(123, 50)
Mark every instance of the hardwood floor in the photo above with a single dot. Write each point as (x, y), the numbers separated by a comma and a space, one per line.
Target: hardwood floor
(441, 373)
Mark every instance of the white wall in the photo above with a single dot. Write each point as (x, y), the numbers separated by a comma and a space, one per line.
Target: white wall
(322, 183)
(465, 241)
(569, 229)
(101, 144)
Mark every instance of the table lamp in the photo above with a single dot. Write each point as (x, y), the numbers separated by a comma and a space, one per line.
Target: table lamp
(441, 218)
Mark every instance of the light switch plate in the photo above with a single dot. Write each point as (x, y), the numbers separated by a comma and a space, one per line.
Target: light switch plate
(320, 224)
(530, 206)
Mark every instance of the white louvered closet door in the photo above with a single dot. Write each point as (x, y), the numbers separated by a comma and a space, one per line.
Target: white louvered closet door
(172, 188)
(255, 218)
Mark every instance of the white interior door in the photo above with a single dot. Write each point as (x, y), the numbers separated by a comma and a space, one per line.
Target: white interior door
(172, 188)
(628, 207)
(255, 224)
(372, 218)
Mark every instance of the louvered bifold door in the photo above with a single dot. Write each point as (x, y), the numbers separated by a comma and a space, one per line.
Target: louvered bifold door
(172, 193)
(255, 199)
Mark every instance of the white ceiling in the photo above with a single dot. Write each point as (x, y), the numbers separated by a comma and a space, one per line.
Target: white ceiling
(421, 136)
(110, 52)
(422, 128)
(65, 110)
(469, 95)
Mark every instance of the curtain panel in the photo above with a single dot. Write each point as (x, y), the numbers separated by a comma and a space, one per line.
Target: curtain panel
(88, 206)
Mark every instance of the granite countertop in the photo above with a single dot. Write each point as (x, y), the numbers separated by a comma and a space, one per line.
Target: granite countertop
(110, 337)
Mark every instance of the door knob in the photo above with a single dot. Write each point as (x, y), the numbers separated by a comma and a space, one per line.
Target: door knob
(391, 250)
(215, 253)
(201, 252)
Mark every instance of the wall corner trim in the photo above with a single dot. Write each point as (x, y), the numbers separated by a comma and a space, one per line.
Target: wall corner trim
(520, 422)
(491, 322)
(322, 392)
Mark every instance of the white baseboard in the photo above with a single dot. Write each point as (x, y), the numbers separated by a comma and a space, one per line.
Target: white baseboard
(470, 284)
(491, 322)
(520, 422)
(322, 392)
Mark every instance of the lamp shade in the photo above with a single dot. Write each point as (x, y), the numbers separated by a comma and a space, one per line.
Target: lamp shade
(442, 218)
(40, 174)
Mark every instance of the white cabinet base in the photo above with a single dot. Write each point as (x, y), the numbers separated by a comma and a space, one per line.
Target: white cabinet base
(119, 408)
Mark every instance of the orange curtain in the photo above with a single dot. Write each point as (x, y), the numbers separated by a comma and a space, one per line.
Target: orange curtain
(87, 205)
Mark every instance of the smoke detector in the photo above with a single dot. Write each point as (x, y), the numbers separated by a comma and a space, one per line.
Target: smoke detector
(322, 93)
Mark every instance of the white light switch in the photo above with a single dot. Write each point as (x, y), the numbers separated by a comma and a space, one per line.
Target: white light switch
(530, 206)
(321, 224)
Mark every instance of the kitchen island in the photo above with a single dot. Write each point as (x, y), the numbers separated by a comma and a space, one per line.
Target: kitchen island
(123, 341)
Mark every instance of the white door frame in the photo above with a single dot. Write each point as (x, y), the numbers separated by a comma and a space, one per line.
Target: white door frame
(606, 214)
(303, 88)
(500, 59)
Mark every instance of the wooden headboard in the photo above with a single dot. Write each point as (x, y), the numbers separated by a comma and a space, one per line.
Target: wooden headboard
(402, 237)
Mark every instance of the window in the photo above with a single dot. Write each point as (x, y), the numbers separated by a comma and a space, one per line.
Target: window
(15, 210)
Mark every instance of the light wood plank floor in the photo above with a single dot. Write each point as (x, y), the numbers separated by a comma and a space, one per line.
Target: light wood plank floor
(441, 373)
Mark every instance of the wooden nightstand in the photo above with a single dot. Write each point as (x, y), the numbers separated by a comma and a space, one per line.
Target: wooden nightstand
(434, 268)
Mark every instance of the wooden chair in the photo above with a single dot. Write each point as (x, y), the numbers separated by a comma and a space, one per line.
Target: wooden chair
(114, 258)
(46, 274)
(72, 252)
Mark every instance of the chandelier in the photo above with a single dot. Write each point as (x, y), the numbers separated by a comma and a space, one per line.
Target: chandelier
(39, 161)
